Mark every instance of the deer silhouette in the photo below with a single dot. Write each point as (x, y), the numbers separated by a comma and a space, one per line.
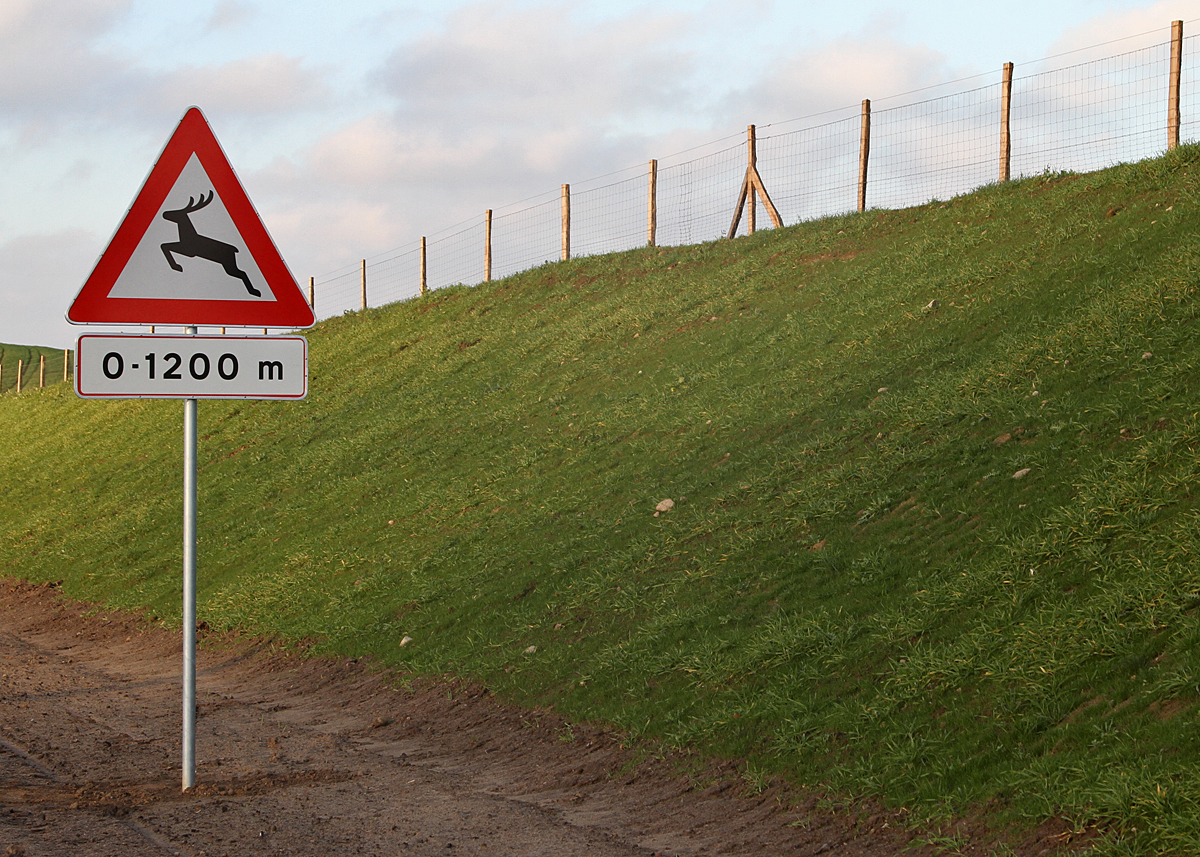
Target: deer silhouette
(193, 244)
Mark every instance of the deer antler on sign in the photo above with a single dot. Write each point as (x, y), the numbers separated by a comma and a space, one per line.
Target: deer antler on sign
(193, 205)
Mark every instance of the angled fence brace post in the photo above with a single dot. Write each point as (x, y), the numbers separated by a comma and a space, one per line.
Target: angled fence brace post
(652, 205)
(751, 185)
(864, 152)
(566, 222)
(1005, 137)
(1173, 97)
(761, 190)
(737, 209)
(487, 246)
(424, 281)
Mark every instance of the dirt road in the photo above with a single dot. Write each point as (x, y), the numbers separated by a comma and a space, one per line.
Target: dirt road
(320, 757)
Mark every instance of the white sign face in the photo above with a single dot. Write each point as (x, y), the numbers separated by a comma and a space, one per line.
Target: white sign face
(191, 367)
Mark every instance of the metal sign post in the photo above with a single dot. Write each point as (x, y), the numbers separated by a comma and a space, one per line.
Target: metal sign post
(189, 589)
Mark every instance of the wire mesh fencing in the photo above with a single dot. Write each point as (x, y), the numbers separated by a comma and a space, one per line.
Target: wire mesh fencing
(610, 217)
(1078, 116)
(934, 149)
(695, 197)
(527, 237)
(812, 172)
(1091, 115)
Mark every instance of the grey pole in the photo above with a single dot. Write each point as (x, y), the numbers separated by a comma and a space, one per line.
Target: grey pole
(189, 589)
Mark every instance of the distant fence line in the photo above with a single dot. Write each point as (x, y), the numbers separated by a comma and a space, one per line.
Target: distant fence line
(1080, 117)
(15, 378)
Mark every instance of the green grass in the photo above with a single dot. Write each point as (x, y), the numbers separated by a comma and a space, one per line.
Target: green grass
(852, 589)
(24, 360)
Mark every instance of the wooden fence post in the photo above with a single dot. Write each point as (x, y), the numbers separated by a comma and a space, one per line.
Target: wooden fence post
(1005, 137)
(66, 363)
(487, 246)
(20, 372)
(363, 281)
(424, 282)
(1173, 97)
(752, 162)
(312, 293)
(652, 205)
(566, 222)
(41, 371)
(864, 151)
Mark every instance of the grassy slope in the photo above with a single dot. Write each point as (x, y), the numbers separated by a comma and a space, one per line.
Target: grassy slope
(852, 587)
(25, 359)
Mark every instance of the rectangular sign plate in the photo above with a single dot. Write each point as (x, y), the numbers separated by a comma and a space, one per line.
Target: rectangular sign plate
(112, 366)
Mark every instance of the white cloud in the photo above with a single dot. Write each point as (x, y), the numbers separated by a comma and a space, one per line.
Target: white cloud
(540, 66)
(270, 83)
(839, 73)
(48, 61)
(1150, 24)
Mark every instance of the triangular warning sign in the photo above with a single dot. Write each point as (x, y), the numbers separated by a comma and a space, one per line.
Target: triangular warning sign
(192, 250)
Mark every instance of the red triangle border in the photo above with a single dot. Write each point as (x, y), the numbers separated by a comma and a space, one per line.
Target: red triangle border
(94, 306)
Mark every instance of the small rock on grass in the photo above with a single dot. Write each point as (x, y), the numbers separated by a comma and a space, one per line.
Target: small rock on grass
(1022, 473)
(664, 506)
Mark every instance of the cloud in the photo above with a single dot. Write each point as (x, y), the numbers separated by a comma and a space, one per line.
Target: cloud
(839, 73)
(48, 58)
(55, 73)
(1146, 25)
(270, 83)
(537, 67)
(228, 15)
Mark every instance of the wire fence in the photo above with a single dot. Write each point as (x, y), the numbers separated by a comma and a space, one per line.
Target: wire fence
(1078, 117)
(24, 367)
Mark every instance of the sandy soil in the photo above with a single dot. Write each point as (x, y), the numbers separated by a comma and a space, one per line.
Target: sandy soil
(308, 756)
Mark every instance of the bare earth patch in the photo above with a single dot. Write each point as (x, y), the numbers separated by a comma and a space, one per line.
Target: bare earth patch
(312, 756)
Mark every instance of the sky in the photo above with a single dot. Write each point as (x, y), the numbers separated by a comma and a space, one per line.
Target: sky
(359, 126)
